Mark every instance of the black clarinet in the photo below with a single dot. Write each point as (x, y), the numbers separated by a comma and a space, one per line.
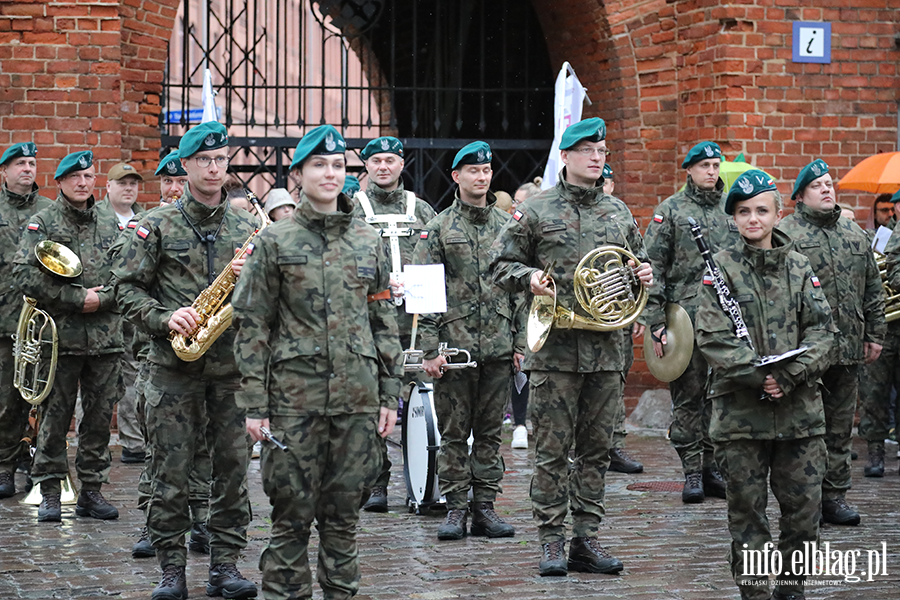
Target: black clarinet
(726, 300)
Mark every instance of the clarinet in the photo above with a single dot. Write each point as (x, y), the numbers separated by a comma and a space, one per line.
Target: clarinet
(726, 300)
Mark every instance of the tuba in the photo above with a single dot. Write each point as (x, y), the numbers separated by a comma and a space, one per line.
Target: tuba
(30, 376)
(215, 315)
(607, 289)
(891, 298)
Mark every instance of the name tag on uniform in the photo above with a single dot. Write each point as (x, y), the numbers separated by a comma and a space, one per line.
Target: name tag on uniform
(744, 298)
(456, 240)
(809, 244)
(173, 246)
(553, 227)
(299, 259)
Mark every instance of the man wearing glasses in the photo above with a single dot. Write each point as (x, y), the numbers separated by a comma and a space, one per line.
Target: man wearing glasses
(176, 252)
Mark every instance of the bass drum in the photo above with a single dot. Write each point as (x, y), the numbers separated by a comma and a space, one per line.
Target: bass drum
(421, 443)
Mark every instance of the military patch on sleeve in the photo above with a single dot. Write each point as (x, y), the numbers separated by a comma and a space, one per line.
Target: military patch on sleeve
(518, 215)
(815, 281)
(143, 232)
(132, 225)
(33, 227)
(707, 279)
(250, 248)
(658, 218)
(423, 235)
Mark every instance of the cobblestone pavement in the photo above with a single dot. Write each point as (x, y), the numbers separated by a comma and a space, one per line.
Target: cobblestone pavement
(670, 550)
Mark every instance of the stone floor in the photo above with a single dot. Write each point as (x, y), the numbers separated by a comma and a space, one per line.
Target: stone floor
(670, 550)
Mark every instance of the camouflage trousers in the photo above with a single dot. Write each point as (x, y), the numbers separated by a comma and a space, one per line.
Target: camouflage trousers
(178, 406)
(199, 478)
(795, 469)
(384, 474)
(875, 383)
(619, 432)
(840, 384)
(100, 378)
(129, 425)
(13, 412)
(580, 410)
(321, 478)
(691, 412)
(471, 401)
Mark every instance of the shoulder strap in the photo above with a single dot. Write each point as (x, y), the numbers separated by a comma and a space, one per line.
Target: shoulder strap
(363, 200)
(411, 205)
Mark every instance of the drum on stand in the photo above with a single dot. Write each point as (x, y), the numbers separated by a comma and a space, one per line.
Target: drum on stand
(421, 443)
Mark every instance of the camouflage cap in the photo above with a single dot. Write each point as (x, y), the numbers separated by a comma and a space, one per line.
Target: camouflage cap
(750, 184)
(607, 172)
(808, 174)
(476, 153)
(702, 151)
(205, 136)
(77, 161)
(324, 140)
(17, 150)
(122, 170)
(591, 130)
(385, 143)
(171, 166)
(351, 185)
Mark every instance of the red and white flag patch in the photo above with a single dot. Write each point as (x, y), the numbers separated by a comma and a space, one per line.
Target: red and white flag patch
(658, 218)
(143, 232)
(815, 281)
(518, 215)
(132, 224)
(250, 248)
(707, 279)
(33, 227)
(423, 235)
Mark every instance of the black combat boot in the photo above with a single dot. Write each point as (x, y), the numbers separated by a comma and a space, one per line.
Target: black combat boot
(377, 501)
(621, 462)
(838, 512)
(50, 508)
(486, 522)
(91, 503)
(553, 559)
(454, 526)
(143, 548)
(693, 489)
(875, 466)
(199, 538)
(713, 484)
(7, 484)
(225, 580)
(586, 555)
(172, 585)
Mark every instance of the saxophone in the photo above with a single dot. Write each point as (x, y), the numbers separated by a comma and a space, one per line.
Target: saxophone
(215, 315)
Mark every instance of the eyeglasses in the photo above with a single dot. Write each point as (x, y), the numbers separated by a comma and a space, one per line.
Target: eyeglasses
(590, 151)
(204, 161)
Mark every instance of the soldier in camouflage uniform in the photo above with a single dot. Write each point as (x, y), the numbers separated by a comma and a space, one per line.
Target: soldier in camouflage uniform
(176, 252)
(384, 202)
(90, 339)
(778, 436)
(317, 346)
(838, 250)
(576, 378)
(19, 199)
(677, 270)
(487, 321)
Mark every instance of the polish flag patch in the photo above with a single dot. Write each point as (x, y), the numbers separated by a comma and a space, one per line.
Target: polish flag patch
(707, 279)
(423, 235)
(658, 218)
(33, 227)
(250, 249)
(518, 215)
(132, 225)
(815, 281)
(143, 232)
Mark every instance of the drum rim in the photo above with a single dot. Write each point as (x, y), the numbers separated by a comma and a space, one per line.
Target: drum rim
(429, 491)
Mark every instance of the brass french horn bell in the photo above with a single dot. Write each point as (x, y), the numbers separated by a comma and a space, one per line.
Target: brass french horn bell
(58, 259)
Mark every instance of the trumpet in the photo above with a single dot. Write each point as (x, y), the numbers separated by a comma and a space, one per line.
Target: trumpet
(891, 298)
(414, 360)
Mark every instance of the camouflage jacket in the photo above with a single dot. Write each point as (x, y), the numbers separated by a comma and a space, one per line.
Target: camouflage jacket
(678, 267)
(89, 234)
(106, 206)
(15, 211)
(481, 317)
(394, 203)
(784, 307)
(163, 267)
(564, 223)
(838, 250)
(308, 340)
(892, 278)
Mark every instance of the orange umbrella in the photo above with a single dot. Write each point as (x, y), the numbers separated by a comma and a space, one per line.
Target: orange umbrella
(879, 174)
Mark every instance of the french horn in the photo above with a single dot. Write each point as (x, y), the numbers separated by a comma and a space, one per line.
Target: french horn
(606, 287)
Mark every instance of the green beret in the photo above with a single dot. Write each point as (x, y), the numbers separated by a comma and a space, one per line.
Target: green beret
(808, 174)
(77, 161)
(476, 153)
(351, 185)
(701, 151)
(592, 130)
(205, 136)
(896, 197)
(171, 166)
(324, 139)
(750, 183)
(385, 143)
(17, 150)
(607, 172)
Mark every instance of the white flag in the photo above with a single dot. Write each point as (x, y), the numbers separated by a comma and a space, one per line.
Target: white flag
(567, 105)
(209, 99)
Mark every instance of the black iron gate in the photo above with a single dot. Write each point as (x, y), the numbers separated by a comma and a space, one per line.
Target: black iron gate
(435, 73)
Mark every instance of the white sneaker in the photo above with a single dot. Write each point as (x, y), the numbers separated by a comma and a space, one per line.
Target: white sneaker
(520, 438)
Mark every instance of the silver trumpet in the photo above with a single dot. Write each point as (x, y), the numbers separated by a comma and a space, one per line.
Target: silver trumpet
(414, 360)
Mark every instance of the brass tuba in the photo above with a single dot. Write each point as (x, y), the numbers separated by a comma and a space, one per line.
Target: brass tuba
(607, 289)
(214, 317)
(891, 298)
(29, 375)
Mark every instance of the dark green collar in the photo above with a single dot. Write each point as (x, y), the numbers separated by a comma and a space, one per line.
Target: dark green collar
(577, 194)
(820, 218)
(201, 214)
(312, 219)
(476, 214)
(17, 201)
(769, 260)
(78, 215)
(711, 197)
(382, 196)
